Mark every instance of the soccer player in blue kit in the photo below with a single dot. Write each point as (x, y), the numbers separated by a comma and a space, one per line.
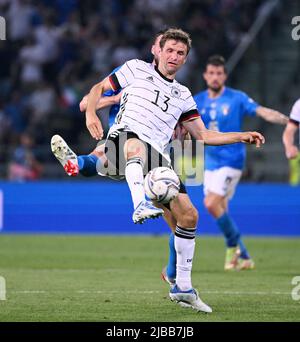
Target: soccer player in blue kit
(223, 109)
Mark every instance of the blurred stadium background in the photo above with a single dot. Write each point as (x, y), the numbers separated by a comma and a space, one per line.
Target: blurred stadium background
(56, 49)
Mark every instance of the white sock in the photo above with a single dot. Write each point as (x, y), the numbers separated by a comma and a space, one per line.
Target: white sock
(135, 180)
(185, 247)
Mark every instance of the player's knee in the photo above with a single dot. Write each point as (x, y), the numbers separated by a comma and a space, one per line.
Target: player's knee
(209, 205)
(190, 218)
(97, 153)
(134, 148)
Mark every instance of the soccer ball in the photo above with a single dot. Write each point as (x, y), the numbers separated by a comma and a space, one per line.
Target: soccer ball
(162, 184)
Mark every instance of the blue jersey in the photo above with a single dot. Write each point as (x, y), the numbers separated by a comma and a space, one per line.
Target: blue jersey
(225, 114)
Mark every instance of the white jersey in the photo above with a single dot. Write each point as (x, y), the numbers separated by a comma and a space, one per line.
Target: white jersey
(151, 105)
(295, 113)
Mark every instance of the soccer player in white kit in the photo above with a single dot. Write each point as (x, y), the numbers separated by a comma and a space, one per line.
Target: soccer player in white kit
(152, 104)
(291, 150)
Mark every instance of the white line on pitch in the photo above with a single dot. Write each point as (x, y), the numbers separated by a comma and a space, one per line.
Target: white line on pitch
(238, 293)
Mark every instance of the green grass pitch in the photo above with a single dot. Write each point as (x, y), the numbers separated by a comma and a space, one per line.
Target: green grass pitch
(117, 278)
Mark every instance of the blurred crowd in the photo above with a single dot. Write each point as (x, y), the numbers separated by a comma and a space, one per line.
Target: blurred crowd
(56, 49)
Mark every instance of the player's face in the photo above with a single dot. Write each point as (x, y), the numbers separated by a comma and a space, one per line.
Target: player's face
(155, 49)
(171, 57)
(215, 77)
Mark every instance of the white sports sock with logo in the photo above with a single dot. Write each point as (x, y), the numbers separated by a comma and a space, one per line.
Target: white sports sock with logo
(185, 247)
(135, 180)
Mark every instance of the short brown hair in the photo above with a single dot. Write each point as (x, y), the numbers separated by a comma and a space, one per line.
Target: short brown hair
(158, 34)
(178, 35)
(216, 60)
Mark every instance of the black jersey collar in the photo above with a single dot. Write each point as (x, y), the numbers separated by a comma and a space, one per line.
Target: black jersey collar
(161, 75)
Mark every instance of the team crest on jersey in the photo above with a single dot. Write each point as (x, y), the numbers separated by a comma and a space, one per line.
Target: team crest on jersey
(225, 109)
(213, 114)
(175, 92)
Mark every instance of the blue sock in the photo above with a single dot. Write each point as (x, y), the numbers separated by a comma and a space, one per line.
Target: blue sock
(229, 229)
(87, 165)
(171, 268)
(244, 252)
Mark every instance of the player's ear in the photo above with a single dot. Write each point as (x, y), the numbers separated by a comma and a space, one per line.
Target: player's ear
(152, 49)
(159, 53)
(225, 73)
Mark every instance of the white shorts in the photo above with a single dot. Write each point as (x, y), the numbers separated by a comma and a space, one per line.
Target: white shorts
(221, 181)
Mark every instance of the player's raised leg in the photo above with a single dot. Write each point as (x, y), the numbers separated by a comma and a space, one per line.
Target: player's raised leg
(89, 164)
(73, 164)
(186, 216)
(135, 155)
(65, 155)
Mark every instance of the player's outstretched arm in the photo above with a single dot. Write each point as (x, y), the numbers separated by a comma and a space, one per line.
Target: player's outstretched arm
(92, 121)
(272, 115)
(253, 138)
(291, 151)
(198, 131)
(103, 102)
